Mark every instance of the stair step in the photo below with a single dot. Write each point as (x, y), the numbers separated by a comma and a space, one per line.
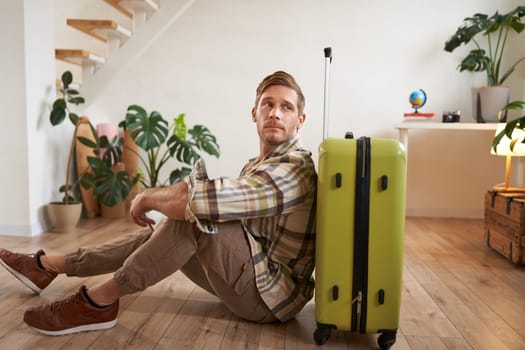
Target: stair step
(128, 7)
(80, 57)
(100, 29)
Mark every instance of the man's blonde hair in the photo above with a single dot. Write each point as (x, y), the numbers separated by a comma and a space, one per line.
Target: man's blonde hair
(284, 79)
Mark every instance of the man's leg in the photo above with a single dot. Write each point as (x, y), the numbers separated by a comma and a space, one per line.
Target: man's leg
(225, 260)
(223, 266)
(166, 250)
(38, 270)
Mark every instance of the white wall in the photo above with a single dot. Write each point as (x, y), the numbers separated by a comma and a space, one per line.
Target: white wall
(26, 28)
(208, 63)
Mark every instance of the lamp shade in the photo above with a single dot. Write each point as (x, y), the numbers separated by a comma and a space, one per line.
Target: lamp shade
(504, 146)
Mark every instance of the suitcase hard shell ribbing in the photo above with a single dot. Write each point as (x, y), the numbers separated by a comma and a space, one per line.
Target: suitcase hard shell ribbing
(359, 244)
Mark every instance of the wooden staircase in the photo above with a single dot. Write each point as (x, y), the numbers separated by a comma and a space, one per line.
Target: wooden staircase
(109, 32)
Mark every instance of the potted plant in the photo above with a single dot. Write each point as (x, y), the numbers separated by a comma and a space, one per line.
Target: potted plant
(494, 30)
(110, 182)
(64, 215)
(163, 142)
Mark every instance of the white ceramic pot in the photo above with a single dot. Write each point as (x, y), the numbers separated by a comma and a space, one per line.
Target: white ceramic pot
(64, 217)
(487, 103)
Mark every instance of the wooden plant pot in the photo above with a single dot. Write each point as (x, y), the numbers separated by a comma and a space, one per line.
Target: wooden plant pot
(115, 212)
(82, 152)
(130, 158)
(64, 217)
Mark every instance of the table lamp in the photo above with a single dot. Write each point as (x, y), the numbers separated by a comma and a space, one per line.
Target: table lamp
(504, 149)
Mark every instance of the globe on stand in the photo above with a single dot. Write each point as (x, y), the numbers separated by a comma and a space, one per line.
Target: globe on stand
(417, 99)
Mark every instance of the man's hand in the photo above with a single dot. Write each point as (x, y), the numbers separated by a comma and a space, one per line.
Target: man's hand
(139, 209)
(170, 201)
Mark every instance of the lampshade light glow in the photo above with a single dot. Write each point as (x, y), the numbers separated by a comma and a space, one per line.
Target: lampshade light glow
(509, 147)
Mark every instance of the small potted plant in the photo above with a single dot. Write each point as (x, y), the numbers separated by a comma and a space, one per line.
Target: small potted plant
(492, 32)
(64, 215)
(163, 142)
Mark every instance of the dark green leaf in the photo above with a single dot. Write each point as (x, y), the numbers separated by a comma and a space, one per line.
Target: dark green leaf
(204, 140)
(76, 100)
(148, 132)
(57, 116)
(87, 142)
(182, 150)
(67, 78)
(112, 189)
(178, 175)
(73, 117)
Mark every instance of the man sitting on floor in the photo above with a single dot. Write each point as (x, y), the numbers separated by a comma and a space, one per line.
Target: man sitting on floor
(248, 240)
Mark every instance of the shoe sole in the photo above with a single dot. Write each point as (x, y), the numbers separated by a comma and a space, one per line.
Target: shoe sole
(78, 329)
(26, 281)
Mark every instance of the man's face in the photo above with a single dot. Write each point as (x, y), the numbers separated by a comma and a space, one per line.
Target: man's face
(277, 116)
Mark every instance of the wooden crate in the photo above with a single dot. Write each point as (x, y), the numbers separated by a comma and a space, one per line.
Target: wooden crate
(505, 224)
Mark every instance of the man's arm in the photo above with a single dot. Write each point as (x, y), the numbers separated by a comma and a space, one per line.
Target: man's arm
(170, 201)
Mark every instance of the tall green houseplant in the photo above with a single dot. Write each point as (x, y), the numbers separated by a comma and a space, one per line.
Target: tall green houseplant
(495, 29)
(60, 111)
(162, 142)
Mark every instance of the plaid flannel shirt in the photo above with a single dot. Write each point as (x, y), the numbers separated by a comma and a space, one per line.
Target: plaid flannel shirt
(274, 198)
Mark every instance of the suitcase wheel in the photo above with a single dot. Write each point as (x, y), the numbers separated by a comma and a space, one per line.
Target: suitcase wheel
(386, 340)
(321, 335)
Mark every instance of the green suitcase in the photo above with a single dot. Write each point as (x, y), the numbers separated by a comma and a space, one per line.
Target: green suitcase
(359, 244)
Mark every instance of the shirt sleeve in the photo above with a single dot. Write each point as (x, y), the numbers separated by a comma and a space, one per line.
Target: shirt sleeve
(271, 187)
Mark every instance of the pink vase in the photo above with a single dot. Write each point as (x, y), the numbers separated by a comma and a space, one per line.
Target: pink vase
(110, 130)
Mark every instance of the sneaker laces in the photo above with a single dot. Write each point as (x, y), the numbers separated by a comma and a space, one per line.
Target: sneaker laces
(58, 305)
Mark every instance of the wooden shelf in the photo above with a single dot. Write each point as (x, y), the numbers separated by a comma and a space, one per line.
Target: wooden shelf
(127, 7)
(79, 57)
(100, 29)
(434, 125)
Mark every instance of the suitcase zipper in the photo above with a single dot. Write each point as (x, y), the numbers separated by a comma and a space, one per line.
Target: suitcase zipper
(358, 299)
(361, 232)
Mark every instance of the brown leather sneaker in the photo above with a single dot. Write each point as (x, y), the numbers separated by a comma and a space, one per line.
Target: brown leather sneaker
(72, 315)
(26, 269)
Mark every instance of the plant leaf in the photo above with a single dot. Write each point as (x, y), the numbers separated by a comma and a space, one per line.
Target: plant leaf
(76, 100)
(112, 188)
(148, 132)
(204, 140)
(182, 150)
(180, 129)
(178, 175)
(57, 116)
(67, 78)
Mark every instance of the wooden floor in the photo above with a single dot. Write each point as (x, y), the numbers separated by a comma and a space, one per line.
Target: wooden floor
(457, 294)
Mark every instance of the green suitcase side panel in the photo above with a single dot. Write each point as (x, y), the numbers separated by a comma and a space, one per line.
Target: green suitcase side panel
(335, 237)
(387, 227)
(334, 241)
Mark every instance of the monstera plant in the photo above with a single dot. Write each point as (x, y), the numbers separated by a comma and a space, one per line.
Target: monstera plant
(489, 35)
(162, 142)
(495, 30)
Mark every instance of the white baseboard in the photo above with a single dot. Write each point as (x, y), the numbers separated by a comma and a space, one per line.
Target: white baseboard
(15, 230)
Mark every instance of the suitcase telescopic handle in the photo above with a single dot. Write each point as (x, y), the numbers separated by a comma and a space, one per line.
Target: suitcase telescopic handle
(328, 61)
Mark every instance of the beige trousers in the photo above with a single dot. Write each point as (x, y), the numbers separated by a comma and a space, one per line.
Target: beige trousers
(220, 263)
